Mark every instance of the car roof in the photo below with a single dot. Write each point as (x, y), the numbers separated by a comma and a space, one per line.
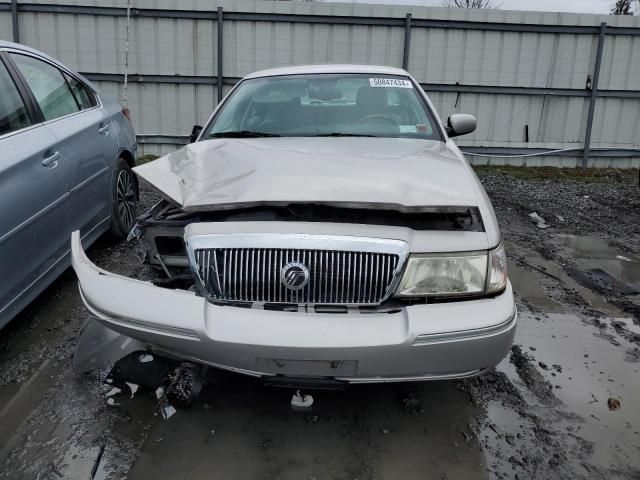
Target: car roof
(311, 69)
(19, 46)
(24, 48)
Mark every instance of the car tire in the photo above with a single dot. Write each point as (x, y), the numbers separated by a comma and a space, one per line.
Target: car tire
(124, 200)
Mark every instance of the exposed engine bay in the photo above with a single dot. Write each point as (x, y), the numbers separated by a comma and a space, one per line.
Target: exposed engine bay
(161, 230)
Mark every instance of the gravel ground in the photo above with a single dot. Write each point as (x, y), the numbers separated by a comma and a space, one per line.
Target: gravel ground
(607, 205)
(561, 405)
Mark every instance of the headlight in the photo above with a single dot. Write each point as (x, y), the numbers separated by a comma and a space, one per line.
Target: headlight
(497, 270)
(443, 275)
(454, 274)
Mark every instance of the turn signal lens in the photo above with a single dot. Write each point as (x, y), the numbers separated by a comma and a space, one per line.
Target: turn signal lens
(497, 270)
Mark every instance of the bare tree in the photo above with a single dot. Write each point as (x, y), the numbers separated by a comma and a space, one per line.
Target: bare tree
(622, 7)
(472, 3)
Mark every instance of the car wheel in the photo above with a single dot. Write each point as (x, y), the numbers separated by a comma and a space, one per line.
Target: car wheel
(124, 200)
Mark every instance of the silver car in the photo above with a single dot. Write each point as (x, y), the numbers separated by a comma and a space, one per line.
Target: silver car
(323, 227)
(66, 152)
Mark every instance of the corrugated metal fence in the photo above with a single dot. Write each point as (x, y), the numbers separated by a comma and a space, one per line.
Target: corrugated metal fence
(536, 81)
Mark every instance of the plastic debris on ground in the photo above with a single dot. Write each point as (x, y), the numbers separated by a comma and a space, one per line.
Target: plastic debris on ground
(112, 392)
(301, 401)
(133, 388)
(159, 392)
(140, 368)
(538, 220)
(168, 412)
(145, 358)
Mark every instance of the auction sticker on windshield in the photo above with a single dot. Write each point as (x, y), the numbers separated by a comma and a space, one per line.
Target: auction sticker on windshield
(390, 82)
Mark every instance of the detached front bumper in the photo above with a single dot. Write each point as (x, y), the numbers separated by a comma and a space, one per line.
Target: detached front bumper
(422, 342)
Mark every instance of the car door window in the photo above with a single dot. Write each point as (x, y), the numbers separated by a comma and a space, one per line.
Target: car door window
(13, 112)
(48, 85)
(83, 96)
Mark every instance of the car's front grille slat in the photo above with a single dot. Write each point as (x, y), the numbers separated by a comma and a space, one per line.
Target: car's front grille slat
(334, 276)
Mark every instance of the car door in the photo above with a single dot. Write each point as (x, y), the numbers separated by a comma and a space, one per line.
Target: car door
(85, 138)
(33, 196)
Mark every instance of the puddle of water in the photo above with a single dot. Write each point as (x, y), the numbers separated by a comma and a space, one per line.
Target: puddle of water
(588, 369)
(526, 284)
(593, 252)
(542, 290)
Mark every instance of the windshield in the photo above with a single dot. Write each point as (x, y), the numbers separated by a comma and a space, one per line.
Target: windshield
(325, 105)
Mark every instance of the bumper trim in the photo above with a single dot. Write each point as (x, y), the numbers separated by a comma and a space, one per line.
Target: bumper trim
(139, 324)
(460, 336)
(348, 380)
(420, 378)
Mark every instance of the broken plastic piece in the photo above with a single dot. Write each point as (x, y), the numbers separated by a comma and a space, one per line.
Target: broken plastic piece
(538, 220)
(113, 391)
(147, 375)
(133, 388)
(167, 412)
(100, 347)
(145, 358)
(301, 401)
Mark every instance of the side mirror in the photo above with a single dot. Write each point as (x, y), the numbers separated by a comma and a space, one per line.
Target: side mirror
(460, 124)
(195, 132)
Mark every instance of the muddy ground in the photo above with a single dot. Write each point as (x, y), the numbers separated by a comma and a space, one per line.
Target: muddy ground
(563, 404)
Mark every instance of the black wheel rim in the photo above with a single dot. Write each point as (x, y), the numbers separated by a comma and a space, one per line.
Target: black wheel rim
(125, 198)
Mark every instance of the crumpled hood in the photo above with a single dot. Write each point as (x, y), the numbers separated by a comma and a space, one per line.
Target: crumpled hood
(226, 173)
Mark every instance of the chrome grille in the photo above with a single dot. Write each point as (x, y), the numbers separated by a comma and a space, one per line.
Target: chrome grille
(334, 276)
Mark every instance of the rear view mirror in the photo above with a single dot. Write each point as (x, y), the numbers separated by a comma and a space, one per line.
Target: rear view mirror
(460, 124)
(195, 132)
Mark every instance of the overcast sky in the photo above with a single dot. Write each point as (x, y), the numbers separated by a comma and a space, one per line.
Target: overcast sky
(576, 6)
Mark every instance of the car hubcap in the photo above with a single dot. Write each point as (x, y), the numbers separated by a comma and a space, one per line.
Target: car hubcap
(125, 198)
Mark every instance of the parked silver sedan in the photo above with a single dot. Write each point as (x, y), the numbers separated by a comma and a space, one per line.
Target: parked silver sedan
(66, 152)
(324, 228)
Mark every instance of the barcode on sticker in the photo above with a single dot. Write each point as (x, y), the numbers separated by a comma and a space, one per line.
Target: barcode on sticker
(390, 82)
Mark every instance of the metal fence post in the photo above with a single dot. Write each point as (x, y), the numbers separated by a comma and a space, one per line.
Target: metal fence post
(594, 94)
(219, 72)
(407, 41)
(14, 20)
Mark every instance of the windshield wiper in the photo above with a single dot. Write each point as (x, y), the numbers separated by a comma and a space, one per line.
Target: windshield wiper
(242, 134)
(339, 134)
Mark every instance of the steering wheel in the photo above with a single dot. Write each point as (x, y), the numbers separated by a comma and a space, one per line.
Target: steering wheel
(379, 116)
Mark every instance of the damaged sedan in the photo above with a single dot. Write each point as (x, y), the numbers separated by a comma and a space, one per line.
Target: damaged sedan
(322, 227)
